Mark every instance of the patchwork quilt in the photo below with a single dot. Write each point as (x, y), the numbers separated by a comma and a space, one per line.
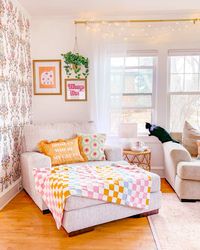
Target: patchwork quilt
(125, 185)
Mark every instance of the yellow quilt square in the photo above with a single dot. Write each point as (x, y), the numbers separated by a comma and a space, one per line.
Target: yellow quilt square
(109, 199)
(118, 201)
(106, 191)
(115, 194)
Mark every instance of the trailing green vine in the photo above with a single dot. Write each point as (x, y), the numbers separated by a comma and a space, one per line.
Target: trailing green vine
(77, 64)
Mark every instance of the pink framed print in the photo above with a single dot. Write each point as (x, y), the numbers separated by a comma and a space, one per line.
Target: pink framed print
(75, 90)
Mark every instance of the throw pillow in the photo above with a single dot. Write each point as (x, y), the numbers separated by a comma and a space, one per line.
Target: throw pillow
(93, 146)
(63, 151)
(190, 137)
(159, 132)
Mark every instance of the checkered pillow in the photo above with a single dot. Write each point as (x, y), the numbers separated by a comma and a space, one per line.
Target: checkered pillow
(93, 146)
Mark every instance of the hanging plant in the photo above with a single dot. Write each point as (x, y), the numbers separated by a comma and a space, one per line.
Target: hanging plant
(77, 64)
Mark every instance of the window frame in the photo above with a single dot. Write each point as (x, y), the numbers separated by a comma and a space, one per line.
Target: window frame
(170, 93)
(153, 94)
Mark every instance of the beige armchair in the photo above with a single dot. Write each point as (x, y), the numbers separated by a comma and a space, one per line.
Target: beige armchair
(182, 172)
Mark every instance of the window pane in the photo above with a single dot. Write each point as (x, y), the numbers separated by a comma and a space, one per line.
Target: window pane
(145, 80)
(139, 61)
(177, 64)
(191, 82)
(131, 90)
(184, 108)
(176, 82)
(191, 64)
(131, 80)
(117, 61)
(138, 81)
(146, 61)
(137, 101)
(132, 61)
(129, 116)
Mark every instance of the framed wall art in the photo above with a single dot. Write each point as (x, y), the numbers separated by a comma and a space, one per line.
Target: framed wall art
(75, 90)
(47, 77)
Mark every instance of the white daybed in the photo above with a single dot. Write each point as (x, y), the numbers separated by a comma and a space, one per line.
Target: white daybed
(81, 214)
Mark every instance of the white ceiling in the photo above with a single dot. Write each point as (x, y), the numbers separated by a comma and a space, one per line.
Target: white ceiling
(95, 8)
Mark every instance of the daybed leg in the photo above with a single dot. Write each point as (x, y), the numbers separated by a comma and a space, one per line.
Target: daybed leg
(187, 200)
(145, 214)
(82, 231)
(46, 211)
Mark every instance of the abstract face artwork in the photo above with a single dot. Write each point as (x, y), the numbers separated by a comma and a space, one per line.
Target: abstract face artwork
(47, 77)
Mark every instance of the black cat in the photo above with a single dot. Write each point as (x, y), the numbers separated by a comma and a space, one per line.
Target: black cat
(159, 132)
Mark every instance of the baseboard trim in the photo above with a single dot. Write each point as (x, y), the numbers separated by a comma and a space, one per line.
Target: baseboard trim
(10, 193)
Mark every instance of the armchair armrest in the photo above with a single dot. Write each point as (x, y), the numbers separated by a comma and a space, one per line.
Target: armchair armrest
(173, 154)
(189, 170)
(176, 152)
(113, 153)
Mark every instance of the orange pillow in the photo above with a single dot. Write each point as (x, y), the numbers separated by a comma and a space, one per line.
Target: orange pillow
(63, 151)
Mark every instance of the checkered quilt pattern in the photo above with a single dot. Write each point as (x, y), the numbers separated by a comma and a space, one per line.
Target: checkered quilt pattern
(121, 184)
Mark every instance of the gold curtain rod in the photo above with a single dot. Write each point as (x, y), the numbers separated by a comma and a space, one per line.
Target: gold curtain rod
(194, 20)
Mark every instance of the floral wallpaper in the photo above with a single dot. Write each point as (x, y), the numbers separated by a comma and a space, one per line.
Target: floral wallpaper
(15, 89)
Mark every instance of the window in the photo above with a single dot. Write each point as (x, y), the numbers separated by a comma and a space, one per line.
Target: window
(132, 90)
(184, 89)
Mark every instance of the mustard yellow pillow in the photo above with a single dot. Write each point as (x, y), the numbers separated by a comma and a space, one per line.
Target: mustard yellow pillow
(63, 151)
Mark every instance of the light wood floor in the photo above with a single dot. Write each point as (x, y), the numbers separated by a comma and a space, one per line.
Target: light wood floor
(24, 227)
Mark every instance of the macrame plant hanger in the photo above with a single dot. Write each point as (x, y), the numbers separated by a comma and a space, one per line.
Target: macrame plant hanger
(76, 49)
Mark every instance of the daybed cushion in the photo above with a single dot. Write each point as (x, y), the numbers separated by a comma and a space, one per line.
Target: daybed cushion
(189, 170)
(75, 202)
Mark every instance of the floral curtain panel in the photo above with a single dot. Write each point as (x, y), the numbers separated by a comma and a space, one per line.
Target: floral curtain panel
(15, 89)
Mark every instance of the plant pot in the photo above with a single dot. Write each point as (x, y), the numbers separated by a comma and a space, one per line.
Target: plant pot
(75, 67)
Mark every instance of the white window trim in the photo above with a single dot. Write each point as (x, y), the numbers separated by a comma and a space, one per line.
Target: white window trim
(177, 52)
(146, 53)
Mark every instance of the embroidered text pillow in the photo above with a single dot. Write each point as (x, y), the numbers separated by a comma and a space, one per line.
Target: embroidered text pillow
(93, 146)
(63, 151)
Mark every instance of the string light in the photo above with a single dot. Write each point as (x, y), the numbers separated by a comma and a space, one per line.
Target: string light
(152, 31)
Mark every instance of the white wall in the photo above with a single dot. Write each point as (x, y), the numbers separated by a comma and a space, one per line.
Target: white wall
(49, 38)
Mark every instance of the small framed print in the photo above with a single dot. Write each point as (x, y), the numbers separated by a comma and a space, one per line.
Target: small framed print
(75, 90)
(47, 77)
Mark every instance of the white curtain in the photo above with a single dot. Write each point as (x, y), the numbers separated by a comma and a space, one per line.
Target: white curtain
(107, 92)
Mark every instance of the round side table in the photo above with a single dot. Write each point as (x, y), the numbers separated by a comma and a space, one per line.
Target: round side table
(140, 158)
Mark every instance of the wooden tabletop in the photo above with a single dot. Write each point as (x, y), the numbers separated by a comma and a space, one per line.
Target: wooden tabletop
(131, 152)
